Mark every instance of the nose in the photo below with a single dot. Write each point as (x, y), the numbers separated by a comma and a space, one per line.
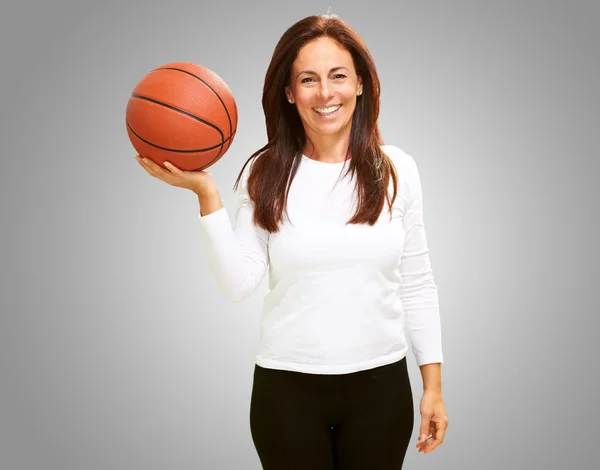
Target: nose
(324, 90)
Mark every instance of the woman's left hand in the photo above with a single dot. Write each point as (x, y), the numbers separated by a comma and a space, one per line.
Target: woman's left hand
(433, 421)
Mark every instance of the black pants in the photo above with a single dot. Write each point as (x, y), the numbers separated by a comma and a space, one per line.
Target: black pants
(358, 421)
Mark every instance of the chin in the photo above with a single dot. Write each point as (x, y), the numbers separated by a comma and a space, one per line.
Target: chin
(331, 129)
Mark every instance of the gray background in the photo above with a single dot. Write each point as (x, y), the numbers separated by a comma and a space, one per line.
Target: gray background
(117, 350)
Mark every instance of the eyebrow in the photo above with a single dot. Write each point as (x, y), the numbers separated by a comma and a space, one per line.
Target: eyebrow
(334, 69)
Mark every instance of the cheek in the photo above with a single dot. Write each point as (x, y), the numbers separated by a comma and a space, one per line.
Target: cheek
(303, 99)
(350, 96)
(350, 104)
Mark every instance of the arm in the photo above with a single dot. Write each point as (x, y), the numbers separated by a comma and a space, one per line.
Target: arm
(432, 377)
(209, 202)
(238, 256)
(418, 291)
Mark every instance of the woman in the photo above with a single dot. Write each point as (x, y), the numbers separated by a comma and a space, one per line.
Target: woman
(336, 218)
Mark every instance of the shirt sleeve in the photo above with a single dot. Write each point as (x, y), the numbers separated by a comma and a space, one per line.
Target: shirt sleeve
(237, 255)
(418, 291)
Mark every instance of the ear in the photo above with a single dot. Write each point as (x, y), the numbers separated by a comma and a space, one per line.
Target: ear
(360, 84)
(288, 93)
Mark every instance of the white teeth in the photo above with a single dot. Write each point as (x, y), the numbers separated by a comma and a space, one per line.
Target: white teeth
(328, 110)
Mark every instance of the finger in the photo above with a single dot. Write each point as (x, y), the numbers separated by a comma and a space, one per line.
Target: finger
(437, 438)
(149, 169)
(432, 443)
(427, 434)
(156, 170)
(424, 445)
(425, 428)
(178, 176)
(173, 169)
(167, 172)
(153, 166)
(441, 433)
(421, 445)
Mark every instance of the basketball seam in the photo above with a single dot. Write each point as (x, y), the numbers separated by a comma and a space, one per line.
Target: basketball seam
(174, 108)
(211, 88)
(177, 150)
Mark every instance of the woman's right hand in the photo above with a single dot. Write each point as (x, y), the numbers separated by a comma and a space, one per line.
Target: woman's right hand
(199, 181)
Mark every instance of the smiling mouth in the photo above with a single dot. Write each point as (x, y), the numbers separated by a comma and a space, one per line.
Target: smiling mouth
(328, 110)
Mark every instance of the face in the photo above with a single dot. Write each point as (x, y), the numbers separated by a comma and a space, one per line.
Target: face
(324, 88)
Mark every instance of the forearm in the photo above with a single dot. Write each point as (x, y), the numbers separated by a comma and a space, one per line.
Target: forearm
(238, 256)
(432, 377)
(209, 202)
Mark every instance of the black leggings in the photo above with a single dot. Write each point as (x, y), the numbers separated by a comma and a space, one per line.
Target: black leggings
(357, 421)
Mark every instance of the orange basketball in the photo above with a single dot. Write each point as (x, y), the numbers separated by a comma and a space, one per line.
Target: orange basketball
(182, 113)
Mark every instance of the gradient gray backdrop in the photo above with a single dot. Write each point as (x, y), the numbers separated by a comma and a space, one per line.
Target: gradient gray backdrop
(117, 350)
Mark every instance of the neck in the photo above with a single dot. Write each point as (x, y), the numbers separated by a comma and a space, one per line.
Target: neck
(327, 148)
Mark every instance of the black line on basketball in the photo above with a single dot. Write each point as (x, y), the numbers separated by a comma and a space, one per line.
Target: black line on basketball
(203, 81)
(177, 150)
(141, 97)
(217, 157)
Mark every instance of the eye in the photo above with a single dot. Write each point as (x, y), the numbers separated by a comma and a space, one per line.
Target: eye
(339, 75)
(304, 79)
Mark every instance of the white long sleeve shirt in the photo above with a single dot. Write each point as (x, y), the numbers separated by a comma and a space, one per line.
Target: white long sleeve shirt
(343, 298)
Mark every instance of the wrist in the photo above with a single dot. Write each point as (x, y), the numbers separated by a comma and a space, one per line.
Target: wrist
(432, 377)
(206, 192)
(209, 201)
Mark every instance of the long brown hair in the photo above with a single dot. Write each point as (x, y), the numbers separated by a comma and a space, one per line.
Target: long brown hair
(277, 162)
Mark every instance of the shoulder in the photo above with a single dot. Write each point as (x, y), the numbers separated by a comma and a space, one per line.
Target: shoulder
(402, 160)
(409, 182)
(406, 166)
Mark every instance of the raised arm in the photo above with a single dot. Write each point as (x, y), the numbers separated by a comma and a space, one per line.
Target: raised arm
(238, 256)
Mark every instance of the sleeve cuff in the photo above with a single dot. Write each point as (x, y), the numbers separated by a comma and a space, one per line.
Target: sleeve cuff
(216, 224)
(423, 360)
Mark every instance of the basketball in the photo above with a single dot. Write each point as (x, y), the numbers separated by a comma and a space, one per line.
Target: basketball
(182, 113)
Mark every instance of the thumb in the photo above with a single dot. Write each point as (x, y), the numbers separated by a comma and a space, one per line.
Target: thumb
(424, 430)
